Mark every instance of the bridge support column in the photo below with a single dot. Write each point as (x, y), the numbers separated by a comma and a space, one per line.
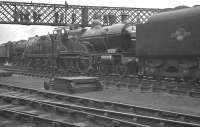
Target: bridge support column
(84, 17)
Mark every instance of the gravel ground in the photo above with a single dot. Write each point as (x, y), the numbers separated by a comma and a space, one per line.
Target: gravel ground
(24, 81)
(162, 101)
(183, 104)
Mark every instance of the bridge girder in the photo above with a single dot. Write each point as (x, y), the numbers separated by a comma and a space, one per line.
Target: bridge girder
(63, 14)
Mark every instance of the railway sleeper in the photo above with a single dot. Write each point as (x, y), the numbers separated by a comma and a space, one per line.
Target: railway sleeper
(31, 119)
(178, 92)
(195, 94)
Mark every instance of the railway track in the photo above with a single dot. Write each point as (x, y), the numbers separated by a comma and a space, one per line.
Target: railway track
(117, 111)
(10, 118)
(131, 82)
(59, 116)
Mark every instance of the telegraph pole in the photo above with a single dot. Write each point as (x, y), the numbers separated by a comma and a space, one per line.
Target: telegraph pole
(48, 85)
(53, 37)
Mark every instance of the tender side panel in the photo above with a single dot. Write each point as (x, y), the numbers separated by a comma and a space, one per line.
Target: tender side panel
(170, 36)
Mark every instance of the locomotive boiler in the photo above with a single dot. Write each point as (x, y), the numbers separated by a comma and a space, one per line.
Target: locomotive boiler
(168, 44)
(112, 48)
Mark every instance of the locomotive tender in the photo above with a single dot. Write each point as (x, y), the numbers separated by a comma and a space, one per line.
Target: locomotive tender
(167, 45)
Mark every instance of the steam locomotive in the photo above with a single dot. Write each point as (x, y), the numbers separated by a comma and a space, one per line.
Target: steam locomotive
(100, 49)
(167, 45)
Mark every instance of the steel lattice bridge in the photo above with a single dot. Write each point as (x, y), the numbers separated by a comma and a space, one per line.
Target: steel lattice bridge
(64, 14)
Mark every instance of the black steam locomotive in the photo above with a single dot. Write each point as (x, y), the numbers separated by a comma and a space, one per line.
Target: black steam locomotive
(167, 45)
(107, 49)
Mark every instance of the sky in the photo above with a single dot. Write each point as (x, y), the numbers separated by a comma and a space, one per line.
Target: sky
(18, 32)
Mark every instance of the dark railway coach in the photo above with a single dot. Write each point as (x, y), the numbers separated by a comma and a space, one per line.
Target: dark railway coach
(168, 44)
(12, 51)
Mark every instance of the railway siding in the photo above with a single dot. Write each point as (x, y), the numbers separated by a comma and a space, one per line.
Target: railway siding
(109, 109)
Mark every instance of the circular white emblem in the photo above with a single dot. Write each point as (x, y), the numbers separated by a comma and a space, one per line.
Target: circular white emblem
(180, 34)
